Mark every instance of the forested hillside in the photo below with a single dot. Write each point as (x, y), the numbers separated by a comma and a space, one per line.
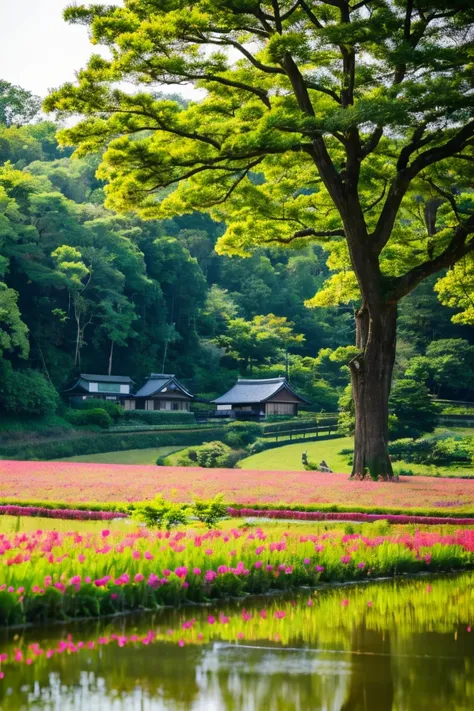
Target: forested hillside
(84, 289)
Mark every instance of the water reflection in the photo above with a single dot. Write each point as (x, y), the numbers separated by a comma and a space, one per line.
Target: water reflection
(395, 646)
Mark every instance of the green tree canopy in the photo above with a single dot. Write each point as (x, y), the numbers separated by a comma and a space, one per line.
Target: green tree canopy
(345, 122)
(17, 105)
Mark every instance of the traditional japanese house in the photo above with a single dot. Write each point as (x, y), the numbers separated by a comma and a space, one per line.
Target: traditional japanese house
(160, 392)
(260, 398)
(101, 387)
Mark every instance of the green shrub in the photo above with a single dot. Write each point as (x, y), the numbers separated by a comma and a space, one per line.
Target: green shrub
(83, 418)
(415, 412)
(241, 434)
(158, 513)
(438, 449)
(213, 454)
(210, 512)
(111, 408)
(159, 417)
(26, 392)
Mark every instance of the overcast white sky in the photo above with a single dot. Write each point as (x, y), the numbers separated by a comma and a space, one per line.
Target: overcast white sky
(38, 50)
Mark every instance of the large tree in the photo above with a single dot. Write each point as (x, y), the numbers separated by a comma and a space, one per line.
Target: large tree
(345, 121)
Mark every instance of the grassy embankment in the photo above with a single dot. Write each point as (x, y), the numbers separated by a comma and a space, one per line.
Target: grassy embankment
(288, 458)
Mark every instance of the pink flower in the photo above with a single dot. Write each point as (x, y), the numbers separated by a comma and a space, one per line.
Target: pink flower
(185, 584)
(148, 555)
(136, 555)
(259, 549)
(370, 603)
(81, 558)
(361, 565)
(310, 603)
(269, 568)
(307, 561)
(258, 564)
(105, 533)
(114, 596)
(181, 642)
(211, 619)
(344, 603)
(209, 551)
(197, 571)
(280, 614)
(346, 559)
(240, 635)
(210, 575)
(139, 578)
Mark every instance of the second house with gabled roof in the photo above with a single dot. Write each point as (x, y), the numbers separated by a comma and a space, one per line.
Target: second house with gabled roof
(160, 392)
(260, 398)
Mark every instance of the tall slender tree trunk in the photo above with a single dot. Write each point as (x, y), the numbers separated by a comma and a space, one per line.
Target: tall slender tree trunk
(111, 355)
(371, 373)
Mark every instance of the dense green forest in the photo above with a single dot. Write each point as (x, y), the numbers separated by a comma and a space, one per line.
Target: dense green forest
(85, 289)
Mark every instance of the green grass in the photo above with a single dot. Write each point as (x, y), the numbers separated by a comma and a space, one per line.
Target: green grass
(129, 456)
(288, 458)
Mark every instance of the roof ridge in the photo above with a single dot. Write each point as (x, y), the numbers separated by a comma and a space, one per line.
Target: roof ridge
(257, 381)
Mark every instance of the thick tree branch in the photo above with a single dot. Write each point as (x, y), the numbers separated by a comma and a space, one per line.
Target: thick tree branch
(310, 14)
(458, 248)
(308, 232)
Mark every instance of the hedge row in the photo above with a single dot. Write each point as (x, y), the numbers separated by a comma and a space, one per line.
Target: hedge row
(330, 511)
(95, 444)
(69, 514)
(353, 516)
(159, 417)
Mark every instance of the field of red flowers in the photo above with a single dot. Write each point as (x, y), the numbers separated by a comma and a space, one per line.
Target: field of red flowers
(77, 482)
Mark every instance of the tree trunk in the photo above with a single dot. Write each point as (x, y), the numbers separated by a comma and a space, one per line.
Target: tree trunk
(371, 373)
(111, 355)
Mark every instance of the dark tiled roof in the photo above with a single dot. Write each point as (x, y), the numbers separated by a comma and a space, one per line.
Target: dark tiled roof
(249, 391)
(156, 382)
(106, 378)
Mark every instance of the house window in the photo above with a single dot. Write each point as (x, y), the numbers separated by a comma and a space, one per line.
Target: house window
(107, 387)
(129, 404)
(280, 408)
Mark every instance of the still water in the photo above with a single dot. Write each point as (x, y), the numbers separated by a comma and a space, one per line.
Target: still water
(388, 646)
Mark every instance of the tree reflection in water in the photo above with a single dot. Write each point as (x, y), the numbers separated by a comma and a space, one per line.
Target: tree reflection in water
(371, 684)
